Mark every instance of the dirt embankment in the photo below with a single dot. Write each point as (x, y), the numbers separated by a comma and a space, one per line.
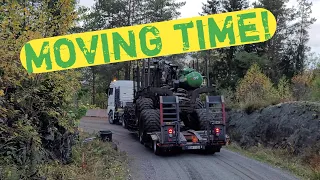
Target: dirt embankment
(294, 126)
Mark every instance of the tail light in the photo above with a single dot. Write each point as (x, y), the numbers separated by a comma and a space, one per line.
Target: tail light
(170, 131)
(217, 131)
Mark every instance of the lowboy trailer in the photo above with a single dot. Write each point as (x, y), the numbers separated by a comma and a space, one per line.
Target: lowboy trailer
(172, 136)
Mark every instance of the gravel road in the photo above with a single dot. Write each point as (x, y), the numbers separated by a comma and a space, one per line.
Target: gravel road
(144, 165)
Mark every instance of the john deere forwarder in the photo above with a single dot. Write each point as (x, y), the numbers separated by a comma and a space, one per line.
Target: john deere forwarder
(167, 112)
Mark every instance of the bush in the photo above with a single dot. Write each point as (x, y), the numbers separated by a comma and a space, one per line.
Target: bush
(284, 91)
(306, 86)
(315, 85)
(101, 161)
(229, 97)
(256, 90)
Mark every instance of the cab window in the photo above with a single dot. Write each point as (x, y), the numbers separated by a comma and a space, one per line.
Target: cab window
(110, 91)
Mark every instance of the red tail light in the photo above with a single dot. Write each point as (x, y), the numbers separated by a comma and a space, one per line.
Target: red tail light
(217, 130)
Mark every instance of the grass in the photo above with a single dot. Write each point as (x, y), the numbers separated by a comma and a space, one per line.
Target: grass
(280, 159)
(94, 160)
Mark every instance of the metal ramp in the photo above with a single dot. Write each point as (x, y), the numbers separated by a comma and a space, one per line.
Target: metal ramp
(169, 120)
(215, 105)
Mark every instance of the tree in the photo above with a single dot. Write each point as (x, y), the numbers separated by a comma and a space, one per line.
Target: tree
(223, 69)
(107, 14)
(301, 35)
(211, 7)
(274, 48)
(35, 126)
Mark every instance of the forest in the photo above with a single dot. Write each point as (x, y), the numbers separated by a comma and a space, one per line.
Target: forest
(39, 113)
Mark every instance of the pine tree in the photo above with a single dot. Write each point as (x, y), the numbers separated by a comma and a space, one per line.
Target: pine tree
(211, 7)
(301, 34)
(274, 48)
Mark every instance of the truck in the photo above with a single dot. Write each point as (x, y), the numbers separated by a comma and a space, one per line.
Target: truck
(120, 92)
(168, 114)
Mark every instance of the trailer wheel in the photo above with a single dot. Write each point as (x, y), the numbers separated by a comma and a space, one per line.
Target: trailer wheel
(150, 122)
(124, 124)
(110, 117)
(129, 116)
(210, 150)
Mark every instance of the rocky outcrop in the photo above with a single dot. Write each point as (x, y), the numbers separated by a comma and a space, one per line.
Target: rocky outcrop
(294, 126)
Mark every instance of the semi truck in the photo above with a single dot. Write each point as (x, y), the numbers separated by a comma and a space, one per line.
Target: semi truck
(120, 92)
(168, 114)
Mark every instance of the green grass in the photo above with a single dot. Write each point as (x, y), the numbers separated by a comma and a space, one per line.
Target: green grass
(100, 159)
(278, 158)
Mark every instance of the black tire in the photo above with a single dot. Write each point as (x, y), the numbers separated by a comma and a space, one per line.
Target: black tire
(128, 115)
(111, 118)
(210, 150)
(201, 115)
(123, 122)
(151, 120)
(144, 103)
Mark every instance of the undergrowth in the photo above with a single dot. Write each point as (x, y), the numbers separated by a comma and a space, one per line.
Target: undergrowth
(91, 160)
(282, 159)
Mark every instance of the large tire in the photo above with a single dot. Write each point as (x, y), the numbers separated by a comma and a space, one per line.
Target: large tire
(144, 103)
(151, 120)
(111, 117)
(201, 115)
(128, 115)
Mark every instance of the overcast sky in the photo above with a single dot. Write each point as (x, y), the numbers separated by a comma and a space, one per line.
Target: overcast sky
(193, 7)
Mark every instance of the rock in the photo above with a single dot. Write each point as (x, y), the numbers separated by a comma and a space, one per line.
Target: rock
(281, 125)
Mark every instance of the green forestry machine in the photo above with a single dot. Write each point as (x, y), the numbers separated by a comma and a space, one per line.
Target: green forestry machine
(167, 112)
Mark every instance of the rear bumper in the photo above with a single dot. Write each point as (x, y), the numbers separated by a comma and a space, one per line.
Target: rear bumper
(193, 146)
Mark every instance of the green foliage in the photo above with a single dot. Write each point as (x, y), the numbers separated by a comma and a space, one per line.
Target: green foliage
(82, 110)
(301, 86)
(100, 159)
(315, 85)
(35, 125)
(284, 54)
(255, 90)
(284, 90)
(229, 97)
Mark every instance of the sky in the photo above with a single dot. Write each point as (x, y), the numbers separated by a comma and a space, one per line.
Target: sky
(194, 7)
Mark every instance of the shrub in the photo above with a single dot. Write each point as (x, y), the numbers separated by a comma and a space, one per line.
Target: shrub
(255, 90)
(101, 161)
(284, 91)
(301, 86)
(229, 97)
(315, 85)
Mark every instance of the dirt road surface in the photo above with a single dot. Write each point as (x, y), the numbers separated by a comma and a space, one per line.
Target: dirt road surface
(145, 165)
